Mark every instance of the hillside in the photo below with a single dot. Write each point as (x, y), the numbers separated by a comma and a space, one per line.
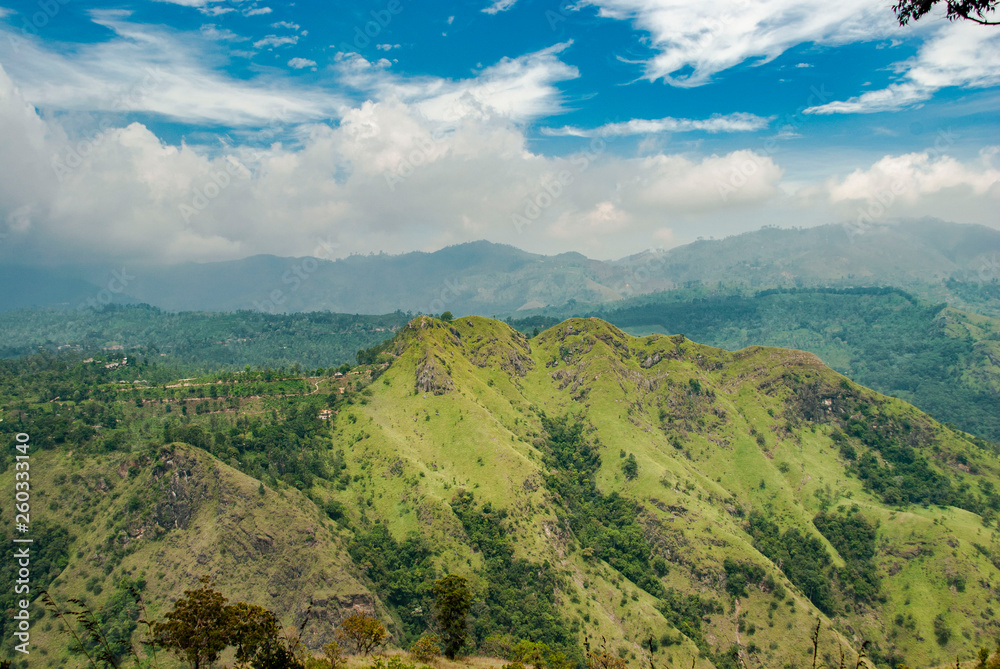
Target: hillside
(938, 260)
(946, 361)
(589, 482)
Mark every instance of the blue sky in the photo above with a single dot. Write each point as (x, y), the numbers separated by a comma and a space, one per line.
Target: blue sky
(205, 130)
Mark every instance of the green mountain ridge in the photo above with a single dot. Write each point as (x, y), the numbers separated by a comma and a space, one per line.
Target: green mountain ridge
(589, 483)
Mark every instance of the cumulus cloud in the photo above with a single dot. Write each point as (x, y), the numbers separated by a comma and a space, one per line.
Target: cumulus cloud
(739, 122)
(959, 54)
(913, 176)
(301, 63)
(386, 176)
(912, 185)
(398, 163)
(696, 40)
(256, 11)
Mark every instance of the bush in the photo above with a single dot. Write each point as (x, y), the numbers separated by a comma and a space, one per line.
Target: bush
(941, 630)
(425, 648)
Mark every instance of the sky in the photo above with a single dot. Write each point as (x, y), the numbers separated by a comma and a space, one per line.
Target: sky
(204, 130)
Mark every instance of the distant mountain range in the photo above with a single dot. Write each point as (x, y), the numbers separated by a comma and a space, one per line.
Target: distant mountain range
(495, 279)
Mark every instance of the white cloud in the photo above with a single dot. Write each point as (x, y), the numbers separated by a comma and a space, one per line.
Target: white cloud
(207, 7)
(144, 69)
(216, 11)
(913, 176)
(256, 11)
(275, 41)
(959, 54)
(387, 176)
(696, 40)
(603, 219)
(213, 32)
(189, 3)
(738, 122)
(4, 12)
(301, 63)
(386, 47)
(499, 6)
(714, 182)
(286, 24)
(518, 89)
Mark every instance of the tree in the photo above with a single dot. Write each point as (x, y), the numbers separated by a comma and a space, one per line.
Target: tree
(630, 467)
(453, 599)
(969, 10)
(255, 632)
(447, 316)
(364, 631)
(197, 628)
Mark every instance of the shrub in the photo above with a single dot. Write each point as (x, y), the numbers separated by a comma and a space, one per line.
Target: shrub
(425, 648)
(941, 630)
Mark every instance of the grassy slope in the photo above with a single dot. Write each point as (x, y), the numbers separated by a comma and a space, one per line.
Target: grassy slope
(478, 434)
(194, 516)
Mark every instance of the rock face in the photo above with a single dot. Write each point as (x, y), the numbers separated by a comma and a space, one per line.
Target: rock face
(179, 492)
(433, 376)
(179, 513)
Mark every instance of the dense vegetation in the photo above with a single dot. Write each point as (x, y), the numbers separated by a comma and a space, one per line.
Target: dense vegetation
(199, 340)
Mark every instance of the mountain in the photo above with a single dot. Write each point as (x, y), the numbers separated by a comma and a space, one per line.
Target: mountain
(494, 279)
(478, 276)
(901, 253)
(588, 482)
(946, 361)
